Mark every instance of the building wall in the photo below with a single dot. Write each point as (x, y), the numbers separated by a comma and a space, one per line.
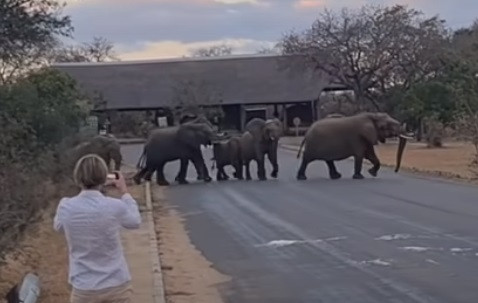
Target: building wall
(236, 117)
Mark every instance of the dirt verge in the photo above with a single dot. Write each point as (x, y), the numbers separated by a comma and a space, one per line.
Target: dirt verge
(188, 276)
(451, 161)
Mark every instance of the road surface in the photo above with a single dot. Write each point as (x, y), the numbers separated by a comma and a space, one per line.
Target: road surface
(395, 238)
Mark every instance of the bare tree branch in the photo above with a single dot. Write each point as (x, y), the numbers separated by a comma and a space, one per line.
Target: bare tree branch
(372, 49)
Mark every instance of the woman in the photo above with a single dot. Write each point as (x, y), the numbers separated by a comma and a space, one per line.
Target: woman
(91, 223)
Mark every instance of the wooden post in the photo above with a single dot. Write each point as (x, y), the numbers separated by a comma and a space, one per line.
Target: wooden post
(242, 114)
(284, 117)
(276, 112)
(314, 110)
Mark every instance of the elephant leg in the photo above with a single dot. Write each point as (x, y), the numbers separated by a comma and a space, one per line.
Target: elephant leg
(273, 160)
(206, 174)
(198, 162)
(223, 174)
(248, 170)
(183, 167)
(139, 175)
(260, 157)
(160, 179)
(372, 157)
(218, 175)
(238, 171)
(261, 169)
(333, 173)
(149, 172)
(303, 167)
(358, 161)
(198, 171)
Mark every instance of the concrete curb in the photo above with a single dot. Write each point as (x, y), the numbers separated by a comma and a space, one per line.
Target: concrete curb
(158, 285)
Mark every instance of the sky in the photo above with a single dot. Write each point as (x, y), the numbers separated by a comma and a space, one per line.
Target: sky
(156, 29)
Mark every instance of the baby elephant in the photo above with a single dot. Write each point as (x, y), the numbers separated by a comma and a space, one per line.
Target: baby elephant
(227, 153)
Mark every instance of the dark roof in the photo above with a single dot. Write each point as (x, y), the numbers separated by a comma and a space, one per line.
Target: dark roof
(256, 79)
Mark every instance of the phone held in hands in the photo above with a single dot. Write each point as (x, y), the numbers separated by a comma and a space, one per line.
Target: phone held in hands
(113, 176)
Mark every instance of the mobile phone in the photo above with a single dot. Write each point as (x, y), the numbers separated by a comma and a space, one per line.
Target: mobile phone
(113, 176)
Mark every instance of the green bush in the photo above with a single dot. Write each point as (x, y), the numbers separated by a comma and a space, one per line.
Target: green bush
(40, 116)
(47, 102)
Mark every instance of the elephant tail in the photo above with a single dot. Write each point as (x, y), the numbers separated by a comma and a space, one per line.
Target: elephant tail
(141, 160)
(300, 148)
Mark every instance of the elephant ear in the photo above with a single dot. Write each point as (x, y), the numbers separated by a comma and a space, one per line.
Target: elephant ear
(192, 134)
(381, 123)
(369, 132)
(256, 127)
(275, 125)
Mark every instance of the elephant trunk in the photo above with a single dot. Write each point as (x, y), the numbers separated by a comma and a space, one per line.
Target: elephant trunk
(402, 142)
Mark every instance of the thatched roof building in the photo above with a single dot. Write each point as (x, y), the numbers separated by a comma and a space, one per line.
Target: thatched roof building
(234, 80)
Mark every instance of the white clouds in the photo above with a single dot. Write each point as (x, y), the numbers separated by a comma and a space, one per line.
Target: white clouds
(237, 1)
(306, 4)
(172, 27)
(173, 49)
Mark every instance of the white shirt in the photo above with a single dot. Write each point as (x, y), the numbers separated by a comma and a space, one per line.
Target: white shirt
(91, 223)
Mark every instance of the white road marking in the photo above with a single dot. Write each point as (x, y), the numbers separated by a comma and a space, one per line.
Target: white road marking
(416, 248)
(282, 243)
(394, 237)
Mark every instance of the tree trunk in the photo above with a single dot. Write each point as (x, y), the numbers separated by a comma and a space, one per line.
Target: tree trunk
(420, 130)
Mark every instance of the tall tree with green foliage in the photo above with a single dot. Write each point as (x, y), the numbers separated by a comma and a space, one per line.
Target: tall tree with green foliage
(29, 29)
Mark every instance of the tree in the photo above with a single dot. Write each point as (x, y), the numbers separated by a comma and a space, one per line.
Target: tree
(98, 50)
(371, 50)
(465, 42)
(28, 30)
(213, 51)
(47, 102)
(430, 102)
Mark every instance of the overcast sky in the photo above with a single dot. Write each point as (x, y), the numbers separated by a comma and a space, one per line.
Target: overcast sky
(148, 29)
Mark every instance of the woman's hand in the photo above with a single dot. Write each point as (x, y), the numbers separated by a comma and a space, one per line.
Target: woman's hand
(120, 183)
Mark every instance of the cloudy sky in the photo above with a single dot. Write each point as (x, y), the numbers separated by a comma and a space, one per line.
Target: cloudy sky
(149, 29)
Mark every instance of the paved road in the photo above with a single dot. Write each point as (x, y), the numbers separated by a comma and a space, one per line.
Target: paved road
(396, 238)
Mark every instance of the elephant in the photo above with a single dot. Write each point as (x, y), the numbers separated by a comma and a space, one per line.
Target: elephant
(334, 115)
(191, 118)
(261, 138)
(181, 142)
(107, 147)
(227, 153)
(335, 139)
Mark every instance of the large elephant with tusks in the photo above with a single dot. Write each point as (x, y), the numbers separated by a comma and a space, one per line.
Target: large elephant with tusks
(337, 138)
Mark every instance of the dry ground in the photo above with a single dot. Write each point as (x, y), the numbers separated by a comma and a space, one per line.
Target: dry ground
(188, 276)
(450, 161)
(44, 252)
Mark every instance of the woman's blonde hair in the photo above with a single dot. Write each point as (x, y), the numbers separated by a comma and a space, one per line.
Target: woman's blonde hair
(90, 171)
